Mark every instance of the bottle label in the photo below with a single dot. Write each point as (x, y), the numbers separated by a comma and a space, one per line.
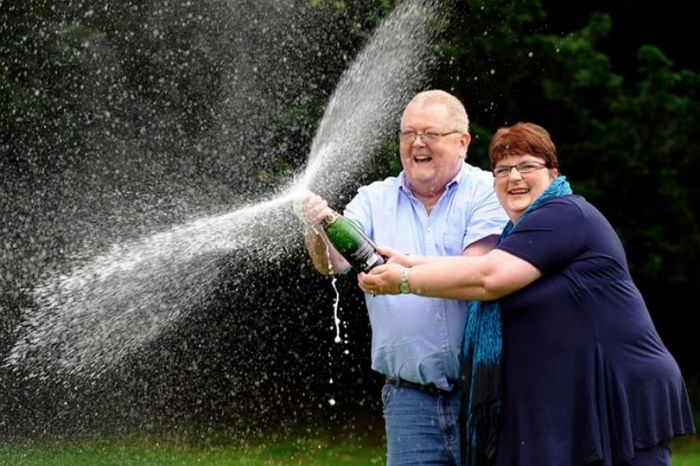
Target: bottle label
(373, 261)
(366, 257)
(351, 242)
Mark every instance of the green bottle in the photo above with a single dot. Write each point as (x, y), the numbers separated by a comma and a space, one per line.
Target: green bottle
(351, 242)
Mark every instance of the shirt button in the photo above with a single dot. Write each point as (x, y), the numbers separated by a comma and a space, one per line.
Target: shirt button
(444, 349)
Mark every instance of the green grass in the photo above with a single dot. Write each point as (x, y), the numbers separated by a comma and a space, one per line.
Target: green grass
(302, 449)
(314, 449)
(686, 451)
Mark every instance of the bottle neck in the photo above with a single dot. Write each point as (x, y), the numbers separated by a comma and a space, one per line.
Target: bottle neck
(330, 218)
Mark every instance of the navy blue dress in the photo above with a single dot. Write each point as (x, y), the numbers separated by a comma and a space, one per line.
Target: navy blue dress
(587, 377)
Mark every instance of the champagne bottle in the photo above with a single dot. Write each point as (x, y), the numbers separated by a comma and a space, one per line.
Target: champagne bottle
(351, 242)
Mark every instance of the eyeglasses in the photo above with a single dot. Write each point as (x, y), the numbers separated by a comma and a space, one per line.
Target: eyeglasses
(428, 136)
(502, 171)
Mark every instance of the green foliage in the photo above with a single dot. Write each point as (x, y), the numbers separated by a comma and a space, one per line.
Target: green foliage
(72, 68)
(626, 144)
(386, 163)
(36, 96)
(363, 14)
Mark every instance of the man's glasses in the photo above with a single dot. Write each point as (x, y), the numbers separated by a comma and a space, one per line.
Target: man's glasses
(502, 171)
(429, 136)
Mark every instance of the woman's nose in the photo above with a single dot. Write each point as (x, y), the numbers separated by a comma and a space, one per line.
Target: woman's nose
(514, 173)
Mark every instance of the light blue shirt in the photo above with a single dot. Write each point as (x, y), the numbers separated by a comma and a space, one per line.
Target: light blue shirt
(416, 338)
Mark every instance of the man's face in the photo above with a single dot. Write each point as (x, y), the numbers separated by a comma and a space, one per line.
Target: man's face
(430, 165)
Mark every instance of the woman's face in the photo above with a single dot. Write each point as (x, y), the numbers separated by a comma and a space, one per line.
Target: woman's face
(517, 190)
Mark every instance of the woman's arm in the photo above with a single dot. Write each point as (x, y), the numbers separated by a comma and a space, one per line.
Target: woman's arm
(482, 278)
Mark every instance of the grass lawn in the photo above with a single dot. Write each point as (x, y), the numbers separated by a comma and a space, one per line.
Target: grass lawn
(307, 448)
(686, 451)
(304, 449)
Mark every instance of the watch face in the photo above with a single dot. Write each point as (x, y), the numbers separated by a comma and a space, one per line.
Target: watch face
(404, 287)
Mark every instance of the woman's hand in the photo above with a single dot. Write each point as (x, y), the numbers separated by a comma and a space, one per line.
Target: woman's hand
(384, 279)
(394, 257)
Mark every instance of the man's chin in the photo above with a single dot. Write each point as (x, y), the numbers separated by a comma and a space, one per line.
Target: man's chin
(424, 171)
(422, 178)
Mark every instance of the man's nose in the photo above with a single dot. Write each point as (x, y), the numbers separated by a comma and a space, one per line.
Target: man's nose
(419, 137)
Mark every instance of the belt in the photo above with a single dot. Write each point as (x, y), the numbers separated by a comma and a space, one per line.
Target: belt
(430, 388)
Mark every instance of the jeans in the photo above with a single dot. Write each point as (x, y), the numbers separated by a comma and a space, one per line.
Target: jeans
(421, 428)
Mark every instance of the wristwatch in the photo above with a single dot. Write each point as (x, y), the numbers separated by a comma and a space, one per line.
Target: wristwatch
(404, 286)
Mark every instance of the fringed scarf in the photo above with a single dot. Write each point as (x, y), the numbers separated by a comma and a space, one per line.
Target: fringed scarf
(481, 388)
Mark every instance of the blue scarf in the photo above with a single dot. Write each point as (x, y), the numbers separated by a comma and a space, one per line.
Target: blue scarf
(481, 388)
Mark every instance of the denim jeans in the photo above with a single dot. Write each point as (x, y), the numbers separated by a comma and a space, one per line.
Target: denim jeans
(421, 428)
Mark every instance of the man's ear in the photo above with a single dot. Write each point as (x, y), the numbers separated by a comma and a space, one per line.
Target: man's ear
(464, 141)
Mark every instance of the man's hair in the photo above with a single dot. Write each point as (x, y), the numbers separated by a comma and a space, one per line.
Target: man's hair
(458, 114)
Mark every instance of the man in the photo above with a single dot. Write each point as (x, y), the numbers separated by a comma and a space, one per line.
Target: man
(437, 206)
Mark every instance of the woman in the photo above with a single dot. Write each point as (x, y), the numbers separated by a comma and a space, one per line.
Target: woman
(586, 378)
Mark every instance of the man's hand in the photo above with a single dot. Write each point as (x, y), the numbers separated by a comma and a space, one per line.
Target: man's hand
(311, 209)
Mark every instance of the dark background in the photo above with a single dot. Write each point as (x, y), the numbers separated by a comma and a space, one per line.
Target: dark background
(119, 121)
(670, 26)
